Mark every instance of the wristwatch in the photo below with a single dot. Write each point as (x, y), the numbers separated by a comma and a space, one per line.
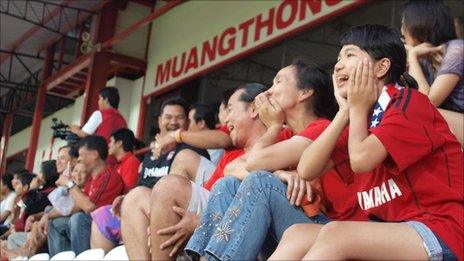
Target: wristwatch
(70, 184)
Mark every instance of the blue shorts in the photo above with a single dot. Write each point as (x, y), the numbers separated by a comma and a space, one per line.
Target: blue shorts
(108, 224)
(435, 247)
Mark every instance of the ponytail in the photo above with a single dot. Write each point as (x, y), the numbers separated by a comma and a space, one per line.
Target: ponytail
(407, 80)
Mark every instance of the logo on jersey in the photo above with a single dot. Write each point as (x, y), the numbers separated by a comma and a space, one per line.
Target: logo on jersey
(156, 172)
(379, 195)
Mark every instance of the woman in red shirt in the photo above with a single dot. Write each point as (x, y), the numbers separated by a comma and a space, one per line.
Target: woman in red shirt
(408, 165)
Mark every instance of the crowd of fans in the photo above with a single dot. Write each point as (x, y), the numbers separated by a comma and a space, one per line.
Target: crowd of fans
(365, 164)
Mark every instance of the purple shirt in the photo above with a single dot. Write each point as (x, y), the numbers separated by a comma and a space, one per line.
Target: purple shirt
(453, 63)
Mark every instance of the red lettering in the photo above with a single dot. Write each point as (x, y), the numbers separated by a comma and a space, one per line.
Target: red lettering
(209, 51)
(260, 24)
(223, 50)
(244, 27)
(280, 23)
(332, 2)
(176, 72)
(314, 5)
(163, 72)
(192, 61)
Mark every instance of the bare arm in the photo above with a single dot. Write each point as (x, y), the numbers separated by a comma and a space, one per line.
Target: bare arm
(207, 139)
(441, 87)
(82, 201)
(316, 159)
(4, 215)
(236, 168)
(365, 151)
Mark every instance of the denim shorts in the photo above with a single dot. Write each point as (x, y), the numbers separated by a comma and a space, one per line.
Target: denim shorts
(435, 247)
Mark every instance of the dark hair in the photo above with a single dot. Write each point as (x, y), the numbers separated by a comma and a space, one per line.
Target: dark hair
(127, 138)
(95, 142)
(310, 76)
(26, 178)
(250, 91)
(48, 169)
(204, 112)
(174, 101)
(379, 42)
(6, 179)
(226, 95)
(74, 151)
(112, 95)
(429, 21)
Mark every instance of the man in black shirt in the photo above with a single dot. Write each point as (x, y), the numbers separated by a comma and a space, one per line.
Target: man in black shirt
(136, 205)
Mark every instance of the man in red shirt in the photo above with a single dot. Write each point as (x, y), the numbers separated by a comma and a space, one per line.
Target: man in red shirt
(103, 185)
(121, 147)
(177, 202)
(106, 119)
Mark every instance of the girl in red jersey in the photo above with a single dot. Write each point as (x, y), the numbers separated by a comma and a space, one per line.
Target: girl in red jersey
(408, 163)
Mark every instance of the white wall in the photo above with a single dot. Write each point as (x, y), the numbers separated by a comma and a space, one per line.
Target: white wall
(135, 45)
(130, 93)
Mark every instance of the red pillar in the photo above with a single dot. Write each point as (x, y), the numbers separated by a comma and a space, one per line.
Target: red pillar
(4, 142)
(96, 80)
(38, 111)
(104, 29)
(141, 120)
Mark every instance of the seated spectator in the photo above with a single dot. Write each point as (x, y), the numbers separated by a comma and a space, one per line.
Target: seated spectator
(176, 201)
(435, 58)
(302, 97)
(7, 204)
(121, 146)
(135, 205)
(201, 117)
(66, 154)
(106, 119)
(37, 238)
(412, 164)
(34, 202)
(21, 187)
(102, 187)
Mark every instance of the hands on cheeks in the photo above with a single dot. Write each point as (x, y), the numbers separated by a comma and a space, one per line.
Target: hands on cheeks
(362, 92)
(270, 112)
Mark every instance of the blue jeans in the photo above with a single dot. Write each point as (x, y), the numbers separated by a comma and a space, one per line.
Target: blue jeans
(239, 216)
(69, 233)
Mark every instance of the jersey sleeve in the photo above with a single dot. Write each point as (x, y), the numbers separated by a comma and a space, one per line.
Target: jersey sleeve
(406, 141)
(314, 130)
(92, 124)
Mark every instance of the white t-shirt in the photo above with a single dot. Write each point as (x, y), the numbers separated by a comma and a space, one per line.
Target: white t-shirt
(93, 123)
(7, 205)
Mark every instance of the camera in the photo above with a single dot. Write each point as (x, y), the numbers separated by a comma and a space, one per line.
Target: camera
(60, 130)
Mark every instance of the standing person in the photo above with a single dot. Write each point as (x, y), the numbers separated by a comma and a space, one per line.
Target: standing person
(106, 119)
(103, 186)
(414, 164)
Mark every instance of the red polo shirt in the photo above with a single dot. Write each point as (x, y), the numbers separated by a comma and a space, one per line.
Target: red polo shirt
(128, 168)
(104, 188)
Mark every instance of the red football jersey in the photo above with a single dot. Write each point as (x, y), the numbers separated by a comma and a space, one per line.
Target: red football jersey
(422, 178)
(337, 184)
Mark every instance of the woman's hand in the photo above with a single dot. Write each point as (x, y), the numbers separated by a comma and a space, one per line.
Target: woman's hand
(362, 92)
(426, 50)
(270, 112)
(296, 187)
